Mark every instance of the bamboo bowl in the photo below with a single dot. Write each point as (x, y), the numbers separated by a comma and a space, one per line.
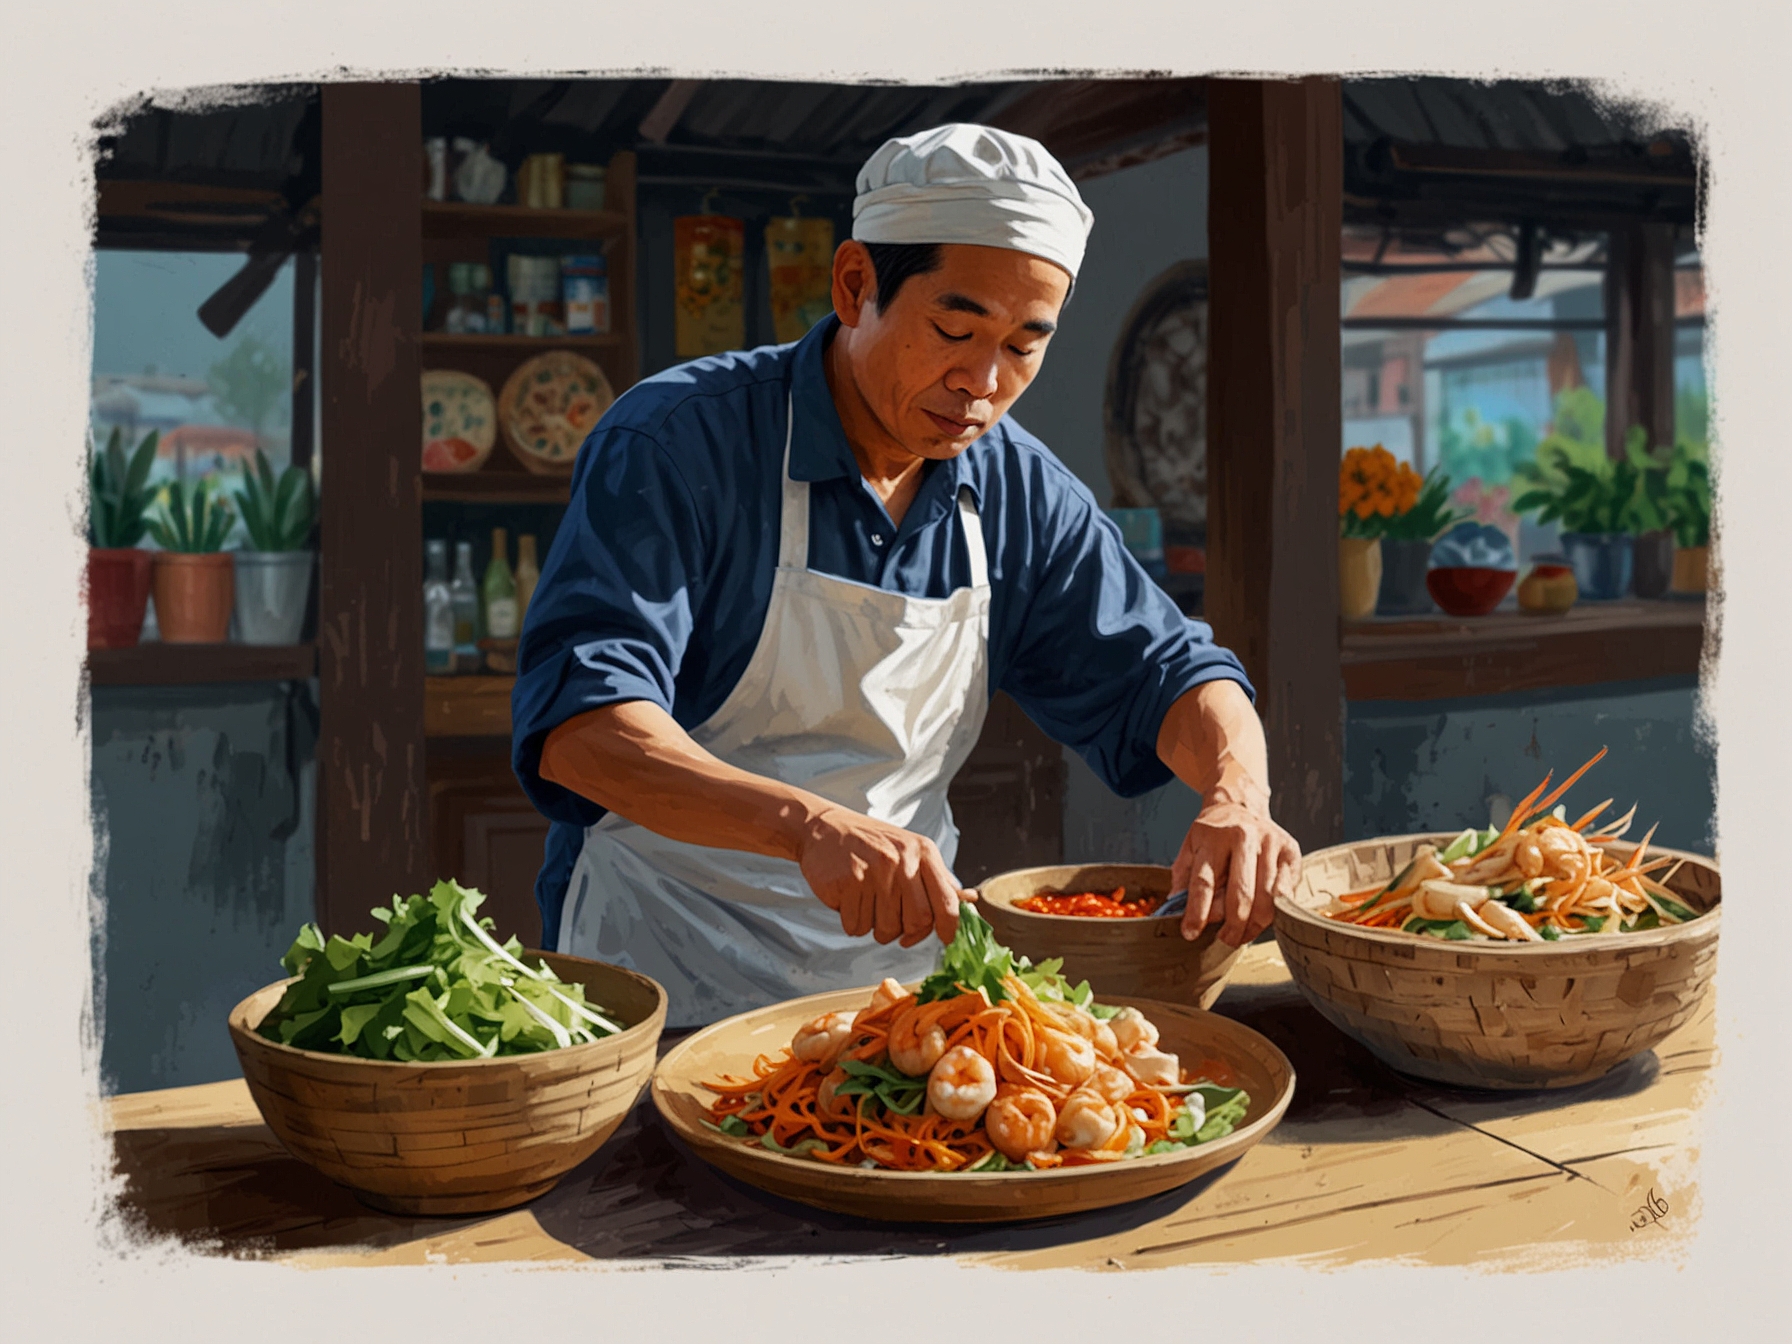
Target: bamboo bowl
(455, 1137)
(1144, 957)
(729, 1047)
(1489, 1015)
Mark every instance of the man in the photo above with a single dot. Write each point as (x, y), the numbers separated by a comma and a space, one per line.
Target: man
(767, 632)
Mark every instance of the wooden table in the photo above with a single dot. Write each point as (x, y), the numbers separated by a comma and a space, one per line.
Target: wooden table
(1367, 1165)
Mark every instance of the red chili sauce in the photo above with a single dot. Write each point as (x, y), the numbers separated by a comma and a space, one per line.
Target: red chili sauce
(1091, 904)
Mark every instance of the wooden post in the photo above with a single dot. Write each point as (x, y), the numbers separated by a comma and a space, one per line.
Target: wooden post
(1639, 348)
(371, 840)
(1275, 234)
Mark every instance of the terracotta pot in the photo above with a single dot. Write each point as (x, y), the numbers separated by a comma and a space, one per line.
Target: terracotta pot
(1653, 569)
(193, 597)
(117, 596)
(1359, 576)
(1548, 589)
(1690, 563)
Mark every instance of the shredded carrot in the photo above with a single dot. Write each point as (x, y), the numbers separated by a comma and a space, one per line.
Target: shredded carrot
(783, 1102)
(1581, 879)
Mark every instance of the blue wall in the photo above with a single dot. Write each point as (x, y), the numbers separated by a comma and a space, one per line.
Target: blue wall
(1441, 765)
(204, 802)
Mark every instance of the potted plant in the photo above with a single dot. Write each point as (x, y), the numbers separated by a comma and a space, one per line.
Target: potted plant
(1594, 500)
(1406, 542)
(118, 571)
(1370, 491)
(193, 574)
(273, 573)
(1688, 507)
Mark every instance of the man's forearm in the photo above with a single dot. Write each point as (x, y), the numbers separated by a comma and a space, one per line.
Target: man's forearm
(1212, 740)
(634, 759)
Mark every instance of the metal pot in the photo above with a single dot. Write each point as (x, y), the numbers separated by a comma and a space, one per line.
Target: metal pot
(272, 588)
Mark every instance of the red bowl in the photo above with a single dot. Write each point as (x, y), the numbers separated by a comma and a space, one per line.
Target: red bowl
(1469, 590)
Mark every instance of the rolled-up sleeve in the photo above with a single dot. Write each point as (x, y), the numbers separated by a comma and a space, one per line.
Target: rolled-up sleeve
(1101, 651)
(611, 615)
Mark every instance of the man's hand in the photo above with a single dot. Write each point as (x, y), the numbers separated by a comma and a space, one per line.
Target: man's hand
(1234, 863)
(1235, 860)
(879, 878)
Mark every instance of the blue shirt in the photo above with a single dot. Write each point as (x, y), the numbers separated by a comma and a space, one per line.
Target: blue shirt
(657, 582)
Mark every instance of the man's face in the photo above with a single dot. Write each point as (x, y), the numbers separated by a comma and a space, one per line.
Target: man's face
(945, 360)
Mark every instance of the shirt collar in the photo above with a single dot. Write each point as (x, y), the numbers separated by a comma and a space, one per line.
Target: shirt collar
(818, 447)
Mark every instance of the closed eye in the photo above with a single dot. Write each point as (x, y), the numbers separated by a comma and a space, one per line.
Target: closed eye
(949, 336)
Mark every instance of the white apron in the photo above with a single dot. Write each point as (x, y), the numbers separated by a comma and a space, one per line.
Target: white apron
(865, 697)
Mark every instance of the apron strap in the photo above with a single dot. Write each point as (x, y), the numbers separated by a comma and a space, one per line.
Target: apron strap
(973, 538)
(793, 521)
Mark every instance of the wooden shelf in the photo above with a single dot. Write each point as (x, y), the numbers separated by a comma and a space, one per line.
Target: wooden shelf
(1445, 658)
(496, 487)
(197, 664)
(455, 219)
(455, 341)
(471, 706)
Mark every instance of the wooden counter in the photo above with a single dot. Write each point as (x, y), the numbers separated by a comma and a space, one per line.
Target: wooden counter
(1445, 657)
(1366, 1166)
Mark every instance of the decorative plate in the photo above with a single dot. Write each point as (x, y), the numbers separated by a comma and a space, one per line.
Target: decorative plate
(548, 406)
(460, 421)
(1156, 412)
(729, 1047)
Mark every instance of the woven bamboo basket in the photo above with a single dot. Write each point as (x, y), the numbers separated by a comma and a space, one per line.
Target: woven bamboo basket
(460, 1137)
(1145, 958)
(1492, 1015)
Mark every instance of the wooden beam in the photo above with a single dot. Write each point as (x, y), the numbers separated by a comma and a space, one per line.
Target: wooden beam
(1639, 349)
(372, 820)
(1275, 237)
(1094, 126)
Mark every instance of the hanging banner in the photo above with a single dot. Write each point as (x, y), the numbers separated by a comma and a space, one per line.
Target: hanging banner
(800, 253)
(707, 252)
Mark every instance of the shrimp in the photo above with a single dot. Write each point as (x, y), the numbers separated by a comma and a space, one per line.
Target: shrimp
(914, 1049)
(1563, 850)
(961, 1084)
(1529, 857)
(821, 1041)
(1087, 1120)
(1107, 1045)
(886, 994)
(1438, 900)
(1020, 1121)
(1153, 1067)
(1130, 1028)
(1112, 1084)
(1067, 1059)
(1507, 922)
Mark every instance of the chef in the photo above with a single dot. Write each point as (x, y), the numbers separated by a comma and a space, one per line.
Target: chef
(767, 633)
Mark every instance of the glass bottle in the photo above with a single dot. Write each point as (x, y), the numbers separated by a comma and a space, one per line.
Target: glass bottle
(438, 612)
(500, 590)
(464, 593)
(528, 574)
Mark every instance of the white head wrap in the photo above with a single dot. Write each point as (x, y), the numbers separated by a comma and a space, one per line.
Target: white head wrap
(972, 184)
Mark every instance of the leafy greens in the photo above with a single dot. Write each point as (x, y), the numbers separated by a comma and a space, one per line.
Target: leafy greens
(435, 985)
